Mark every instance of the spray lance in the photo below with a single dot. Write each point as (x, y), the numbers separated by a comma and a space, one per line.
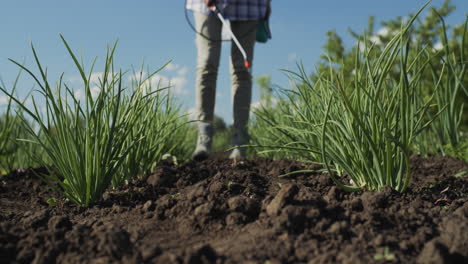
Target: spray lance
(214, 8)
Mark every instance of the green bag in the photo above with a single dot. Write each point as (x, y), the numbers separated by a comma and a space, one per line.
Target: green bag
(263, 27)
(263, 31)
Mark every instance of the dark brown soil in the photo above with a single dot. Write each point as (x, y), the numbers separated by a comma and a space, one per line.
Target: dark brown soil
(217, 211)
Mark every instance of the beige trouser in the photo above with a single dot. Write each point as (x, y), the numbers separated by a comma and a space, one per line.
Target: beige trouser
(209, 51)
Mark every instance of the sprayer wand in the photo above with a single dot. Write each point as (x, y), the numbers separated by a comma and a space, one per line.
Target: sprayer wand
(239, 46)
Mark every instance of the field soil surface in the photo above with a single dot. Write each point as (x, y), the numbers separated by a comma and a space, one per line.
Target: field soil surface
(220, 211)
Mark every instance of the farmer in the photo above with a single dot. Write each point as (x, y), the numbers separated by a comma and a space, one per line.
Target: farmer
(243, 16)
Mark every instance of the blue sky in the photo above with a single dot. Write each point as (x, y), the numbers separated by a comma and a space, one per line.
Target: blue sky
(156, 31)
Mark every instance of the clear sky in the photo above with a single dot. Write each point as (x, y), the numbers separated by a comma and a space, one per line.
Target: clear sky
(156, 31)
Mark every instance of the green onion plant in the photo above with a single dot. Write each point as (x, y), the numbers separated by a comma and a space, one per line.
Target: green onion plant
(361, 128)
(277, 125)
(369, 128)
(13, 153)
(87, 140)
(8, 124)
(164, 128)
(446, 128)
(281, 131)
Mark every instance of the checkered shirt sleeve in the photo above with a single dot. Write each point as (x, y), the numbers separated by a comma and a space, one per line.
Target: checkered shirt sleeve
(233, 9)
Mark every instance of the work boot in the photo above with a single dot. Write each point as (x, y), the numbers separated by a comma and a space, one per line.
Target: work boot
(204, 141)
(239, 138)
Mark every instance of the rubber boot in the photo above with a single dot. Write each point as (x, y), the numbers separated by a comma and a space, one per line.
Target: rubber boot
(239, 138)
(204, 141)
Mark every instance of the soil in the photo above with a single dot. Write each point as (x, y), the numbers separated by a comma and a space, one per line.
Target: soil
(220, 211)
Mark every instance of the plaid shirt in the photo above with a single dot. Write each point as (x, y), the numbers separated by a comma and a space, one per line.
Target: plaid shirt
(233, 9)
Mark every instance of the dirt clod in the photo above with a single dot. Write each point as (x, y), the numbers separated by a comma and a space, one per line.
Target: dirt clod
(148, 206)
(285, 195)
(201, 255)
(434, 252)
(59, 222)
(163, 176)
(454, 231)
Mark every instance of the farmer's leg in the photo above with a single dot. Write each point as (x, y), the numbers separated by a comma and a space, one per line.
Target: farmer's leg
(241, 79)
(206, 75)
